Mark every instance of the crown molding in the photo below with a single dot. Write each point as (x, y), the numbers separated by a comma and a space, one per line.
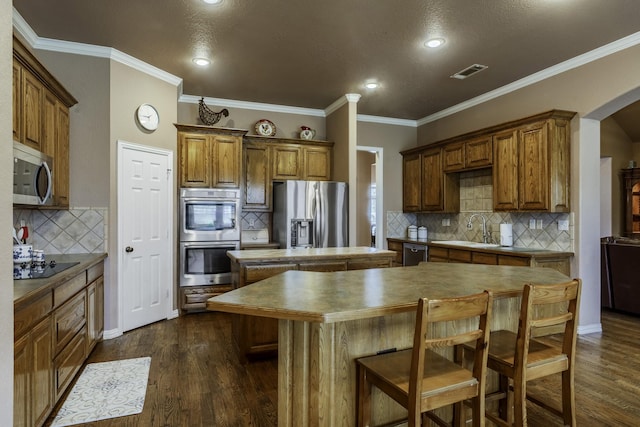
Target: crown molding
(387, 121)
(247, 105)
(601, 52)
(41, 43)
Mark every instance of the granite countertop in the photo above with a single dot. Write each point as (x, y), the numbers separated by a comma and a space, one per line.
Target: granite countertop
(307, 254)
(511, 250)
(359, 294)
(29, 288)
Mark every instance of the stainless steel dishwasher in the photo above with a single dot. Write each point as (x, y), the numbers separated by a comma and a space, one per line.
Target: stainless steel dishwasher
(413, 254)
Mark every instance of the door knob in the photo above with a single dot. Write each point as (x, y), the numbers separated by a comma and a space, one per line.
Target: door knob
(128, 249)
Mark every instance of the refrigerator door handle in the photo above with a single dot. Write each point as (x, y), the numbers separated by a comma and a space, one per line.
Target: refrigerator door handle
(318, 226)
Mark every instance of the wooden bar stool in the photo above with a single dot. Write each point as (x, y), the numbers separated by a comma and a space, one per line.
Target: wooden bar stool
(519, 357)
(422, 380)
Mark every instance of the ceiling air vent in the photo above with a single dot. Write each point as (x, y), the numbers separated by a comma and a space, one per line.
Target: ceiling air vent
(468, 72)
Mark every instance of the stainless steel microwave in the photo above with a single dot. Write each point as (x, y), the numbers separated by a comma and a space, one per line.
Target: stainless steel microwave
(32, 176)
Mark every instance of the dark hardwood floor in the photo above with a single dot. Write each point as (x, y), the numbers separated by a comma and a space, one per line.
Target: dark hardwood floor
(196, 379)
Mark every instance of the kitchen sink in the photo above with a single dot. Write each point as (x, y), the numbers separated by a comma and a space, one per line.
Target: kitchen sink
(466, 243)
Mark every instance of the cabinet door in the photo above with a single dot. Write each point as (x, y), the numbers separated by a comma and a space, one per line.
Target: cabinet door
(287, 161)
(195, 170)
(95, 313)
(17, 101)
(42, 371)
(317, 163)
(32, 96)
(61, 158)
(432, 196)
(479, 153)
(411, 183)
(49, 124)
(257, 177)
(505, 171)
(227, 151)
(22, 383)
(453, 157)
(533, 187)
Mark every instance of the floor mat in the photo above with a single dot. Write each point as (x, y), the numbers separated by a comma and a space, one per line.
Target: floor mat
(106, 390)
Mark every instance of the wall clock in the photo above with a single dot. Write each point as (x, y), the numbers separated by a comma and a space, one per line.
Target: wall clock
(147, 117)
(265, 127)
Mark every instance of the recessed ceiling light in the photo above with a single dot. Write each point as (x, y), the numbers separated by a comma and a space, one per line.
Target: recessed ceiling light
(203, 62)
(212, 1)
(433, 43)
(371, 85)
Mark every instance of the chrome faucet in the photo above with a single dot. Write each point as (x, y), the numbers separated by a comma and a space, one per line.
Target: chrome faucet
(485, 233)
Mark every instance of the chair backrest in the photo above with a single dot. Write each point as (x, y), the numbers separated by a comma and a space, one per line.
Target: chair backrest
(562, 301)
(443, 310)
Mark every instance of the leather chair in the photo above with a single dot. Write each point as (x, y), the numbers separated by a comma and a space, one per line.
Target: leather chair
(519, 357)
(421, 379)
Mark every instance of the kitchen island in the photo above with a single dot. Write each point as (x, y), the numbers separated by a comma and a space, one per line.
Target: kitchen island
(257, 336)
(326, 320)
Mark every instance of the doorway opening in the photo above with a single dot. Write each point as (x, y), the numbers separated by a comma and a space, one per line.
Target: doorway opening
(369, 194)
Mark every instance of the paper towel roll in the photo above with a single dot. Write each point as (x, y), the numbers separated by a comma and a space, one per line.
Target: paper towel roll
(506, 235)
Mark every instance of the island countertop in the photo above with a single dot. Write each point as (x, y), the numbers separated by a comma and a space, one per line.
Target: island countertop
(361, 294)
(307, 254)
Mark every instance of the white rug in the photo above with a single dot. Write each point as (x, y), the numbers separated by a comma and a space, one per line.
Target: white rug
(106, 390)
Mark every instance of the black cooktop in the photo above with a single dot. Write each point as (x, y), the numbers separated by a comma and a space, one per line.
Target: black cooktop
(39, 270)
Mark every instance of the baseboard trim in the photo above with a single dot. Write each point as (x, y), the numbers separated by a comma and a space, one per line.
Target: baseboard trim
(111, 334)
(594, 328)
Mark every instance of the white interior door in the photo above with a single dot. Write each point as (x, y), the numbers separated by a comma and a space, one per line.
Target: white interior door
(144, 224)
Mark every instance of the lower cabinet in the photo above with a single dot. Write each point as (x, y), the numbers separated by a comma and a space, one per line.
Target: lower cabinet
(54, 334)
(194, 298)
(560, 262)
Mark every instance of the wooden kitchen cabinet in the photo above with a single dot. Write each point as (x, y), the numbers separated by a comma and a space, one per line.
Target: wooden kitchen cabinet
(468, 155)
(50, 344)
(411, 183)
(257, 177)
(559, 261)
(209, 157)
(267, 159)
(532, 166)
(33, 376)
(425, 187)
(41, 116)
(530, 161)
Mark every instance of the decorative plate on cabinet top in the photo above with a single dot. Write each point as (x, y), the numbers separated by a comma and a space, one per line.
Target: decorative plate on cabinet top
(265, 127)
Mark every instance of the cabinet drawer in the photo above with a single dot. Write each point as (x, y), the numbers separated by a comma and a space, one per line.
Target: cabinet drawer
(482, 258)
(68, 362)
(94, 272)
(253, 273)
(457, 255)
(68, 320)
(440, 254)
(195, 297)
(323, 266)
(363, 264)
(69, 288)
(510, 260)
(29, 315)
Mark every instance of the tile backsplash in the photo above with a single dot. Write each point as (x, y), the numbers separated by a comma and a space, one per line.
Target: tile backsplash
(77, 230)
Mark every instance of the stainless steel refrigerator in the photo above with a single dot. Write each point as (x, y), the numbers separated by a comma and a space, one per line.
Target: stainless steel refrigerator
(311, 214)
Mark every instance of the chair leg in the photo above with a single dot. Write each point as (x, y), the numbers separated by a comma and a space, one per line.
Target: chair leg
(505, 405)
(363, 398)
(568, 399)
(520, 403)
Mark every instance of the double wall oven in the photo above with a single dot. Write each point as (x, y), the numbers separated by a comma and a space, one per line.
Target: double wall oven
(209, 227)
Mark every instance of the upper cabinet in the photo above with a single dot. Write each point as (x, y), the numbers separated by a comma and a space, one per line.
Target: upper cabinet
(41, 116)
(209, 157)
(425, 187)
(267, 159)
(530, 159)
